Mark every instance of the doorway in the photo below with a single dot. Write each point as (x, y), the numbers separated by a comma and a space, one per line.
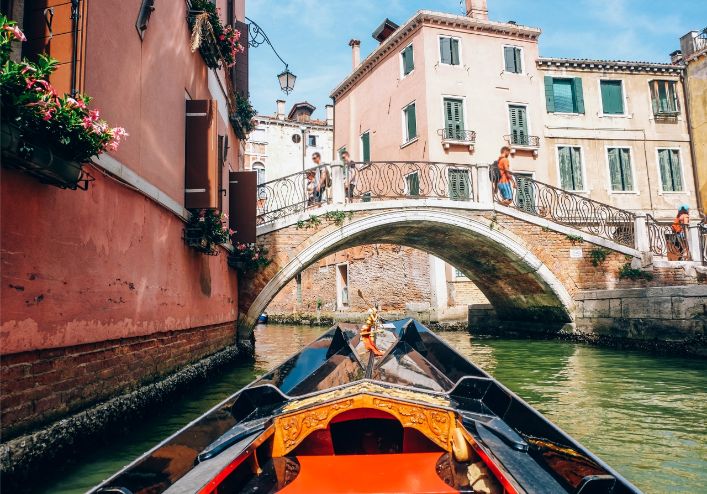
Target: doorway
(342, 286)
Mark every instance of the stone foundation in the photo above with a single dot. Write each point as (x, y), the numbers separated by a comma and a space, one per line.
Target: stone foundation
(44, 385)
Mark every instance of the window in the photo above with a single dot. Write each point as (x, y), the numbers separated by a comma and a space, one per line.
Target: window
(366, 147)
(406, 59)
(449, 50)
(670, 172)
(259, 168)
(298, 280)
(412, 184)
(570, 163)
(620, 169)
(458, 274)
(519, 125)
(459, 185)
(454, 118)
(564, 95)
(512, 56)
(311, 140)
(664, 98)
(612, 97)
(409, 123)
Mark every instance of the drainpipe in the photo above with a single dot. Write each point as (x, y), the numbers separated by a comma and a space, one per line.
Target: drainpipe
(75, 47)
(693, 154)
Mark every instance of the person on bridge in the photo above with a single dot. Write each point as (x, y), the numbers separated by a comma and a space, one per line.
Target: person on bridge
(350, 174)
(321, 180)
(680, 225)
(506, 180)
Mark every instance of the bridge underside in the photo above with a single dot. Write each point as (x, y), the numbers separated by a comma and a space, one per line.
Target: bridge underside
(521, 289)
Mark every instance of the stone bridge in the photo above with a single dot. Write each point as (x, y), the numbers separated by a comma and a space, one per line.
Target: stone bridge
(532, 259)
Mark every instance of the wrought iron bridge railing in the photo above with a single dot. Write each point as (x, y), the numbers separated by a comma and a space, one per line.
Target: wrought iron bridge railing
(522, 140)
(664, 241)
(458, 135)
(567, 208)
(370, 181)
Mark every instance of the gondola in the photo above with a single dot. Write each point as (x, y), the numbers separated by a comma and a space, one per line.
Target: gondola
(388, 407)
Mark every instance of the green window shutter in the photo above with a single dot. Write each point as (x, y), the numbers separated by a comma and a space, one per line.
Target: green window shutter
(564, 100)
(519, 125)
(578, 95)
(454, 116)
(615, 169)
(445, 50)
(549, 95)
(408, 62)
(509, 58)
(517, 60)
(413, 184)
(459, 185)
(576, 157)
(673, 97)
(670, 172)
(565, 159)
(454, 45)
(626, 169)
(366, 146)
(411, 122)
(653, 85)
(612, 98)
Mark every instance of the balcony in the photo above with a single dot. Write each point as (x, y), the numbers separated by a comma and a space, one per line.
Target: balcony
(457, 137)
(693, 42)
(523, 143)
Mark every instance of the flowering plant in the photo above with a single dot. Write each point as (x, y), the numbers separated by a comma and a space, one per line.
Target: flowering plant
(249, 257)
(32, 104)
(243, 117)
(206, 229)
(226, 37)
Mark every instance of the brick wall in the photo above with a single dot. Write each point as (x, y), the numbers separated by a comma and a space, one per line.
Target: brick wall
(43, 385)
(375, 269)
(461, 291)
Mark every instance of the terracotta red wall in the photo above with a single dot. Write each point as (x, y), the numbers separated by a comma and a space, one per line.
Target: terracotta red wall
(81, 267)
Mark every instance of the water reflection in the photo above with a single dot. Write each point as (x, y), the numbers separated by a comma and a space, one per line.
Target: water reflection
(642, 414)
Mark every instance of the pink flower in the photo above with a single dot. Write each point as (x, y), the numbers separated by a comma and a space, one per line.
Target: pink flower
(30, 82)
(47, 114)
(87, 123)
(16, 32)
(231, 232)
(94, 114)
(28, 68)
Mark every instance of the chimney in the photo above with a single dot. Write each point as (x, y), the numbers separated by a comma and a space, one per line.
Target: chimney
(476, 9)
(329, 114)
(355, 45)
(676, 57)
(280, 115)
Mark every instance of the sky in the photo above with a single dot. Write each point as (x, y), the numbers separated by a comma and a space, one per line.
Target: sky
(312, 35)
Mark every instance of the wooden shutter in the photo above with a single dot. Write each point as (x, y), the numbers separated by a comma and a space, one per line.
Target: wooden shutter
(242, 193)
(578, 95)
(615, 169)
(459, 185)
(612, 97)
(411, 122)
(454, 116)
(454, 48)
(49, 29)
(508, 58)
(576, 160)
(239, 72)
(201, 183)
(549, 94)
(626, 174)
(565, 164)
(670, 173)
(445, 49)
(519, 125)
(366, 147)
(517, 60)
(564, 99)
(408, 62)
(653, 85)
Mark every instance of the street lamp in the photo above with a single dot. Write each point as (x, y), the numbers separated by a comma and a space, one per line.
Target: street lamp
(256, 38)
(287, 80)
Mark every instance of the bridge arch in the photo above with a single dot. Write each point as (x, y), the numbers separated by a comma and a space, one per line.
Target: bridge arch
(518, 284)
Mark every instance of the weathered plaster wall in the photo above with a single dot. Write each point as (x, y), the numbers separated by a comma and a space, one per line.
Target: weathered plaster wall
(697, 90)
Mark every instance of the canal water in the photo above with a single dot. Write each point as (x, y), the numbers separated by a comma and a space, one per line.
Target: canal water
(645, 415)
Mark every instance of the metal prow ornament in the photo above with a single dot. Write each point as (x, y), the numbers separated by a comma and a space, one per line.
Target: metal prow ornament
(370, 327)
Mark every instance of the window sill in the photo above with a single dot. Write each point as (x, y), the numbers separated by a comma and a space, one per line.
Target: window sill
(674, 192)
(405, 76)
(514, 73)
(411, 141)
(617, 115)
(567, 114)
(625, 192)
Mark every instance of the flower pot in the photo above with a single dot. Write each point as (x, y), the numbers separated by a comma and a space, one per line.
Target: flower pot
(28, 153)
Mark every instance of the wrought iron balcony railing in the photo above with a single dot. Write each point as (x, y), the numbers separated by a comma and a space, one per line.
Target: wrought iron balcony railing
(693, 42)
(458, 135)
(522, 140)
(567, 208)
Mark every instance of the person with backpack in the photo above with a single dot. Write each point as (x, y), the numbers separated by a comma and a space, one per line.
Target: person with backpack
(322, 180)
(680, 225)
(506, 182)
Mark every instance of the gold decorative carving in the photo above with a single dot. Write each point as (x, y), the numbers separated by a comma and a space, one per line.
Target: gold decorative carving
(435, 423)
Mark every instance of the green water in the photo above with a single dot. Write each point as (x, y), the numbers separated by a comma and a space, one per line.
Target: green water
(644, 415)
